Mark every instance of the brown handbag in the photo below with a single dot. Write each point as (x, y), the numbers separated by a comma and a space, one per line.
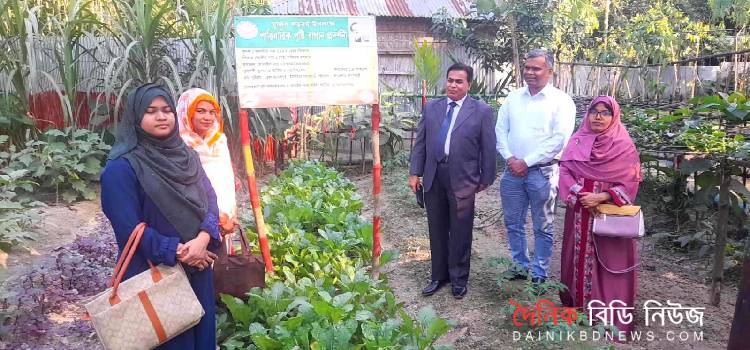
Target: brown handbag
(237, 274)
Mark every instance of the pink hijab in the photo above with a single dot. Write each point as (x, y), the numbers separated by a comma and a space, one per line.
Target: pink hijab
(609, 156)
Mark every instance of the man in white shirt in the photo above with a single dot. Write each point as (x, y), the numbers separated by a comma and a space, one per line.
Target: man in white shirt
(533, 126)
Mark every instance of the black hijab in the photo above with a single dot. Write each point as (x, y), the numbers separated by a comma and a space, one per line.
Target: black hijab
(169, 171)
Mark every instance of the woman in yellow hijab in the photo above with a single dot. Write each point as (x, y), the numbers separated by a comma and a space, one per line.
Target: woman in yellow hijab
(202, 128)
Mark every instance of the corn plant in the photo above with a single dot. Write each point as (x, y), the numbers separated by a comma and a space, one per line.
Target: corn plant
(68, 52)
(140, 29)
(17, 68)
(213, 60)
(16, 31)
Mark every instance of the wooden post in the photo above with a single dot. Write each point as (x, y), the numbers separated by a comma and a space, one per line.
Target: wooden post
(376, 205)
(741, 322)
(717, 275)
(253, 189)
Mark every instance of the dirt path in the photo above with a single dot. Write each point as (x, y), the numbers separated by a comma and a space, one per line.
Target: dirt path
(57, 227)
(480, 323)
(43, 289)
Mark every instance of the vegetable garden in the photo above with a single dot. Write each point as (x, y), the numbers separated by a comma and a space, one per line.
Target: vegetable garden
(66, 66)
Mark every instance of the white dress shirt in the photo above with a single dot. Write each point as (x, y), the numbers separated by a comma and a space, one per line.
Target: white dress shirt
(535, 128)
(459, 103)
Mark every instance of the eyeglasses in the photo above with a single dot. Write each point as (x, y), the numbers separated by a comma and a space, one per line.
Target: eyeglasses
(595, 113)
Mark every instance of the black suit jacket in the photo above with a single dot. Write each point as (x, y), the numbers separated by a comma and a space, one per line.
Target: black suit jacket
(471, 158)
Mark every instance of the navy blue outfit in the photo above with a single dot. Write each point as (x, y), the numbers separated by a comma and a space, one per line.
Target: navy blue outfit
(126, 204)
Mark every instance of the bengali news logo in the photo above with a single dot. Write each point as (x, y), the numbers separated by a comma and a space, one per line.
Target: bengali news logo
(615, 313)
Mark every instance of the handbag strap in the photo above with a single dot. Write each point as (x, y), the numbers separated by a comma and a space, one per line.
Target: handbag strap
(245, 246)
(243, 242)
(124, 261)
(619, 272)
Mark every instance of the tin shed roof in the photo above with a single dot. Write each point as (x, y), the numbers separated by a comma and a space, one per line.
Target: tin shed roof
(385, 8)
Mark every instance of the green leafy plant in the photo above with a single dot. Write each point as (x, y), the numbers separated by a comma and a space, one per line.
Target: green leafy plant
(15, 216)
(63, 161)
(321, 295)
(427, 63)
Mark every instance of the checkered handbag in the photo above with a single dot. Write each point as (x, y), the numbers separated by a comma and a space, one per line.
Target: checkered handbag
(147, 309)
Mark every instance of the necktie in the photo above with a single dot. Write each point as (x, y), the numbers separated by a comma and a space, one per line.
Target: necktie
(440, 151)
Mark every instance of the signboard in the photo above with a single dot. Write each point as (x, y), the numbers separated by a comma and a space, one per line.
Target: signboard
(288, 61)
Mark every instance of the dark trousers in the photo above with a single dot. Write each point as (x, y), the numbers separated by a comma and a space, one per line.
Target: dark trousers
(450, 221)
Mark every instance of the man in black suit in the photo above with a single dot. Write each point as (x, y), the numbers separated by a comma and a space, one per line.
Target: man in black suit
(454, 153)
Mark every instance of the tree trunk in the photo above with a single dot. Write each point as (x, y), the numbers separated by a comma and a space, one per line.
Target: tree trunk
(717, 275)
(741, 323)
(607, 6)
(516, 56)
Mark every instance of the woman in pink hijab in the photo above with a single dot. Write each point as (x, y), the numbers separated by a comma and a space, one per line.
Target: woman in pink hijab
(599, 165)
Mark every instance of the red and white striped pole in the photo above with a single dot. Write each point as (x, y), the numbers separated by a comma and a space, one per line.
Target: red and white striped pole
(253, 187)
(377, 204)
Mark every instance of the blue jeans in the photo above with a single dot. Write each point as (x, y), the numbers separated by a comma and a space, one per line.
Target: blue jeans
(539, 190)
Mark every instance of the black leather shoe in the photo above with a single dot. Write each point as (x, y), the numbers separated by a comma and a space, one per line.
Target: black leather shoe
(538, 280)
(459, 292)
(433, 287)
(519, 277)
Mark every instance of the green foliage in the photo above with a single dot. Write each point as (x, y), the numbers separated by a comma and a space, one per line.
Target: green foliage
(64, 161)
(16, 29)
(636, 32)
(254, 7)
(427, 63)
(573, 24)
(321, 295)
(661, 34)
(140, 28)
(14, 124)
(709, 138)
(15, 218)
(738, 11)
(68, 53)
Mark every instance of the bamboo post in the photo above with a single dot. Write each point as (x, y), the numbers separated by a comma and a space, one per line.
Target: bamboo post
(717, 275)
(376, 205)
(741, 322)
(253, 189)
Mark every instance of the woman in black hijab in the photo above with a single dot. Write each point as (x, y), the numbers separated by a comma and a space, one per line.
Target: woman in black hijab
(151, 176)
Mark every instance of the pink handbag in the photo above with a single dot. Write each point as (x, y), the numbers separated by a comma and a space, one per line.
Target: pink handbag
(617, 222)
(622, 222)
